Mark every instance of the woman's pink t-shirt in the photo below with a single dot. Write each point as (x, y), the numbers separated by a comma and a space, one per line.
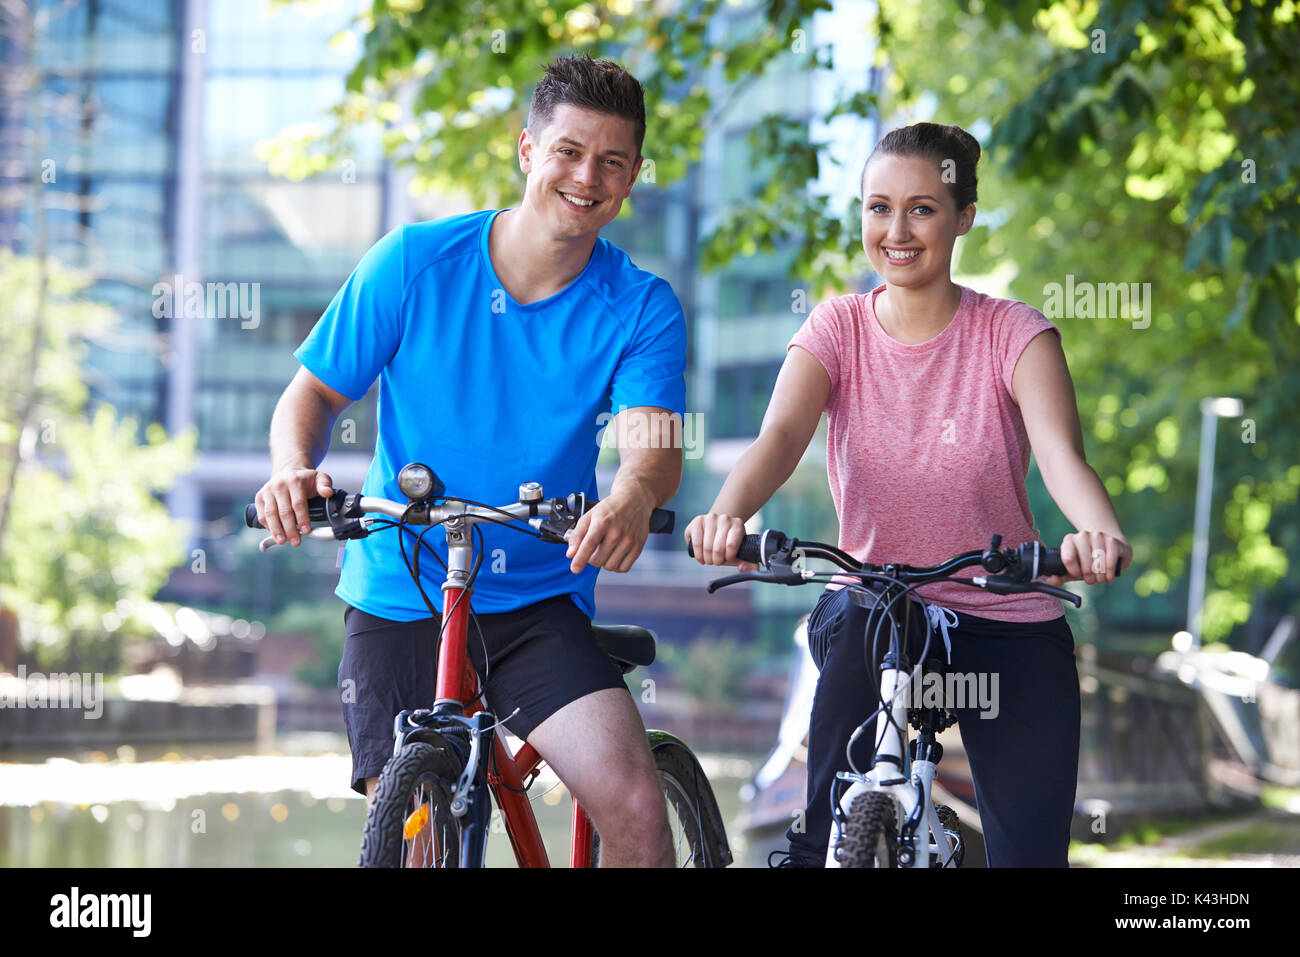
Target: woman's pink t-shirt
(927, 452)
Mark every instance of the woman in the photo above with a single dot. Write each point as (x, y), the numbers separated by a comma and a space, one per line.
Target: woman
(935, 396)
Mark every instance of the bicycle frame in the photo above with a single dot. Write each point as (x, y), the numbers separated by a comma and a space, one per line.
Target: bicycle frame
(920, 832)
(458, 720)
(1009, 571)
(457, 710)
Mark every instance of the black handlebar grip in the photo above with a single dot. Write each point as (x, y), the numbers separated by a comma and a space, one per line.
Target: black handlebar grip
(750, 549)
(1049, 562)
(662, 521)
(315, 512)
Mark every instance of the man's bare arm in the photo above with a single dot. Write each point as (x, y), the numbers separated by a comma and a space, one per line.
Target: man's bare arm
(613, 533)
(300, 434)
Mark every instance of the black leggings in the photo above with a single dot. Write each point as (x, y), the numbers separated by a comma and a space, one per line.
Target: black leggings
(1024, 761)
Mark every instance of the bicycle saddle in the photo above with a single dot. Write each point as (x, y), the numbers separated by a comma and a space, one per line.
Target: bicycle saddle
(629, 646)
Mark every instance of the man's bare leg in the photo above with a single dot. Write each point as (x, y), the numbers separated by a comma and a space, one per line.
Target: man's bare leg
(597, 746)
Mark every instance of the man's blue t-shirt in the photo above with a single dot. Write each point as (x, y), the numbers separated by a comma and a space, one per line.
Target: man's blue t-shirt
(489, 394)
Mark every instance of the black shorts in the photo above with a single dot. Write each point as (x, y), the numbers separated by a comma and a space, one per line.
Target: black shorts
(538, 659)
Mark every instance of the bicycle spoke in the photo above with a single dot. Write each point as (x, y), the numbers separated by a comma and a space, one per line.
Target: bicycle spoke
(681, 835)
(680, 812)
(425, 837)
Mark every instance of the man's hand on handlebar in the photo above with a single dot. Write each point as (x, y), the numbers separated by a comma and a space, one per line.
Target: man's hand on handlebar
(282, 502)
(715, 539)
(1093, 557)
(611, 534)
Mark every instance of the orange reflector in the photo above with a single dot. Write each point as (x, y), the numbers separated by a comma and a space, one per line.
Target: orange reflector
(416, 822)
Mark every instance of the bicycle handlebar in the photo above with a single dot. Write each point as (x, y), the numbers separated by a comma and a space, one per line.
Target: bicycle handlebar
(1015, 568)
(344, 512)
(751, 547)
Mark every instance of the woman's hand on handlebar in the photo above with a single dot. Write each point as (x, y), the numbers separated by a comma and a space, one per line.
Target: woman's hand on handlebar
(282, 502)
(715, 539)
(1092, 557)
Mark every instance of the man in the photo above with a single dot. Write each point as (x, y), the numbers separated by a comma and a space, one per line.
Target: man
(499, 339)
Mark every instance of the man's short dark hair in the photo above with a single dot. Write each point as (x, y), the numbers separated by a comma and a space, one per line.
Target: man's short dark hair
(600, 85)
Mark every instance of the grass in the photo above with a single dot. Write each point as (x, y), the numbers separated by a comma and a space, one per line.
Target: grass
(1147, 832)
(1279, 835)
(1144, 833)
(1263, 837)
(1279, 798)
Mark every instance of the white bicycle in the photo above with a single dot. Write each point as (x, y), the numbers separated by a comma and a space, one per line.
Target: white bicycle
(886, 816)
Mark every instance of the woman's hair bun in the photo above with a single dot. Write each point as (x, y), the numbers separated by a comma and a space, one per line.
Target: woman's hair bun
(971, 144)
(948, 145)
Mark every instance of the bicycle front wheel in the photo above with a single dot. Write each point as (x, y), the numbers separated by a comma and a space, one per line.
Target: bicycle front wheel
(410, 823)
(695, 823)
(870, 833)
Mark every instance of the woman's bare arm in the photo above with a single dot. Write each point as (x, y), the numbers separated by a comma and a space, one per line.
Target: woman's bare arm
(1042, 387)
(800, 394)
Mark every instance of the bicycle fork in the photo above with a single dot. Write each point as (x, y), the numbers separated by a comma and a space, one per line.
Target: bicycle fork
(471, 794)
(472, 799)
(920, 830)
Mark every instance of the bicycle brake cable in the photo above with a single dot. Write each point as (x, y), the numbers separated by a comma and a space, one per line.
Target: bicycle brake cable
(881, 614)
(473, 573)
(925, 650)
(414, 571)
(857, 732)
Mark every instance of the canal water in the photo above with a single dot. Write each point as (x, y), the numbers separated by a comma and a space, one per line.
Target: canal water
(288, 805)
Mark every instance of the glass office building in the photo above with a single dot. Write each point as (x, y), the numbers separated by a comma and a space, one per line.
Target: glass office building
(101, 126)
(149, 112)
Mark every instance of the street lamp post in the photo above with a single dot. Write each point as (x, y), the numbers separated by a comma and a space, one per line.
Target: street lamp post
(1211, 411)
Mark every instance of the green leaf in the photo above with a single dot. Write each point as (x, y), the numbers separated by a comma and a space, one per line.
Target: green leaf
(1246, 297)
(1220, 230)
(1261, 252)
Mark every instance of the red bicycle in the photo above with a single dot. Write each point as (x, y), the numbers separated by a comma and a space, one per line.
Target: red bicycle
(433, 805)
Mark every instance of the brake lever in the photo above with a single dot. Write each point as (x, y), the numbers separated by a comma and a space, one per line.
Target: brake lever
(780, 575)
(1061, 593)
(328, 535)
(1008, 586)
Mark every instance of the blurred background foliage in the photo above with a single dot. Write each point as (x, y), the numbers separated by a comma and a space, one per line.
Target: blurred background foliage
(1144, 141)
(1129, 164)
(449, 83)
(320, 623)
(87, 542)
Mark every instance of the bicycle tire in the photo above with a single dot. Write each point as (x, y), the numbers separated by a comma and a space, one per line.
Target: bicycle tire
(870, 833)
(698, 834)
(951, 824)
(410, 823)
